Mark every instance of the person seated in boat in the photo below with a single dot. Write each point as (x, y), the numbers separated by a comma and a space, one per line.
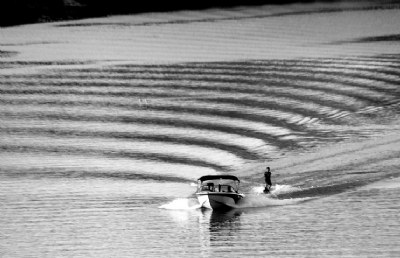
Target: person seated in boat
(268, 183)
(210, 187)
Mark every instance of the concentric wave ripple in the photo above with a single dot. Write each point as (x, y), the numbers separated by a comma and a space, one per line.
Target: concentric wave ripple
(185, 120)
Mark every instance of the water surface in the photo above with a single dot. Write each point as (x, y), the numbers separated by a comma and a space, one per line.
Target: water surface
(98, 156)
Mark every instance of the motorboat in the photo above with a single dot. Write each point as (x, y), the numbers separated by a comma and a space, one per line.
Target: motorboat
(218, 192)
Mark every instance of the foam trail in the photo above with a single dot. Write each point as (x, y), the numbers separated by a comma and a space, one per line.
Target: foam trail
(276, 189)
(282, 189)
(257, 199)
(391, 183)
(257, 190)
(181, 204)
(254, 201)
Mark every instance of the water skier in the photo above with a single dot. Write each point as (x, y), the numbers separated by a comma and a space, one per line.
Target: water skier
(267, 177)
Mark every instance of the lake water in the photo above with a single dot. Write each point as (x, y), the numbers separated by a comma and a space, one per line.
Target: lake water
(106, 217)
(98, 156)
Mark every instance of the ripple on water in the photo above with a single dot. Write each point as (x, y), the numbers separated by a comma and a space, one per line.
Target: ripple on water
(201, 117)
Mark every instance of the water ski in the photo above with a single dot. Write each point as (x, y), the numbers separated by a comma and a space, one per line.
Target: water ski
(266, 190)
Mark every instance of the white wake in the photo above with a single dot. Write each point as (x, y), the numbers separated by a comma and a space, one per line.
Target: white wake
(181, 204)
(256, 198)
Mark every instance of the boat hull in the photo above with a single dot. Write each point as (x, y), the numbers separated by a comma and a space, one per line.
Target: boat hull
(218, 201)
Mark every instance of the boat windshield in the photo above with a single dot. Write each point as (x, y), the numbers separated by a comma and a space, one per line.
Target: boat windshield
(223, 186)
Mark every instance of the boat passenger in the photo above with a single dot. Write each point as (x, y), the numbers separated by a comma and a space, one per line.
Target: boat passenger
(210, 187)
